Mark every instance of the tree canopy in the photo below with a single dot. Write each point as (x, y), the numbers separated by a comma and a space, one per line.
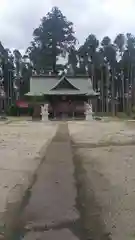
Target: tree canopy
(54, 37)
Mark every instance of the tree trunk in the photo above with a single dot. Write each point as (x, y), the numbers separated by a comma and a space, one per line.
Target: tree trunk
(107, 84)
(123, 91)
(123, 88)
(54, 55)
(102, 93)
(54, 64)
(127, 90)
(133, 85)
(113, 93)
(92, 76)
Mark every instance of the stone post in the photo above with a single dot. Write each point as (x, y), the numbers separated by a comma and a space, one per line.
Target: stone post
(44, 112)
(88, 111)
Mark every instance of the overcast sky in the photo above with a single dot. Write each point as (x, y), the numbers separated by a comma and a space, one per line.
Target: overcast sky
(18, 18)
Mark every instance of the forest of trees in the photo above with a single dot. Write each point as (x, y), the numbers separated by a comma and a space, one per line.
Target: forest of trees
(109, 64)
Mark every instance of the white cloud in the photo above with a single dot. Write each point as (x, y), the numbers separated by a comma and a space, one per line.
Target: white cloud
(18, 18)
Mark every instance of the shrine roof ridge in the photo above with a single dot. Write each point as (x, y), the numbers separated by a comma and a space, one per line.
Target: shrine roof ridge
(57, 76)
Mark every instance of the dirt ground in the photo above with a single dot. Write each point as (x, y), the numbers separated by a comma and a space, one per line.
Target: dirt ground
(97, 160)
(105, 173)
(22, 145)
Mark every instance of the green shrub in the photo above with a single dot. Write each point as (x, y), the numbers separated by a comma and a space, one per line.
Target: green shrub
(12, 110)
(122, 115)
(16, 111)
(133, 109)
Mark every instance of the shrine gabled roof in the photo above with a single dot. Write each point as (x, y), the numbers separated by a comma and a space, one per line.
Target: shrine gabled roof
(66, 85)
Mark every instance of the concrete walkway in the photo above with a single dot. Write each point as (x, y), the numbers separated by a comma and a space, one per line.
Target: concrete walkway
(51, 212)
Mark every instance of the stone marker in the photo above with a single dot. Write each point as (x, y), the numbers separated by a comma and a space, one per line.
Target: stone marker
(44, 112)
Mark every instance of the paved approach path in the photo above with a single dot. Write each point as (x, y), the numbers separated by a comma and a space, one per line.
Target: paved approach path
(101, 167)
(51, 212)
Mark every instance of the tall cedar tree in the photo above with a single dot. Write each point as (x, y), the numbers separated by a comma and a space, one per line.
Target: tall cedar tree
(52, 38)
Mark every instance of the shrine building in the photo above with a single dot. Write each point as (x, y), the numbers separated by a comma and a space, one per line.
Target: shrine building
(66, 95)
